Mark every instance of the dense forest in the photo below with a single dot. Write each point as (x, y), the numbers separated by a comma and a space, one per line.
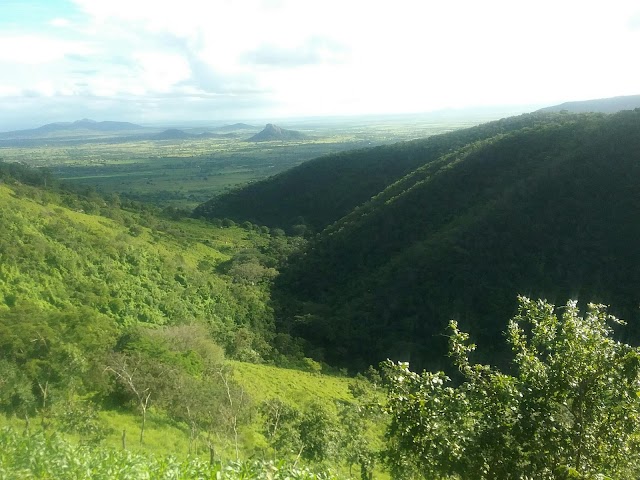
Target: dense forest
(541, 204)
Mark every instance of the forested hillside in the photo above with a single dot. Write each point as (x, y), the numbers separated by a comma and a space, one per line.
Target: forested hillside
(546, 208)
(118, 304)
(115, 319)
(321, 191)
(62, 252)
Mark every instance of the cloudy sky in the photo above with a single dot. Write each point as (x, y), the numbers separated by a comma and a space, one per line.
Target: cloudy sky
(217, 60)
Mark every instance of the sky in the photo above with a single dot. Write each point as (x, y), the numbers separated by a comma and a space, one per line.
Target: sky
(221, 60)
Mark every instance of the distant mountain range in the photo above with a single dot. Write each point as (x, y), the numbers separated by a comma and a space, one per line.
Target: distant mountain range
(274, 133)
(91, 131)
(73, 127)
(601, 105)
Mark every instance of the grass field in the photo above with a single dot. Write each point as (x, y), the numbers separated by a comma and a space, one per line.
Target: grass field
(300, 388)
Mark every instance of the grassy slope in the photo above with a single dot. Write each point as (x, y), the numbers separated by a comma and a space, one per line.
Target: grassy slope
(57, 257)
(261, 382)
(297, 387)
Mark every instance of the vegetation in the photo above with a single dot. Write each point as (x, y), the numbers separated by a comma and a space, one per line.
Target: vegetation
(569, 409)
(129, 332)
(40, 456)
(122, 311)
(320, 192)
(545, 209)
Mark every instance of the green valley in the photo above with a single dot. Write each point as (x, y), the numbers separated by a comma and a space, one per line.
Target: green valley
(116, 329)
(238, 342)
(195, 164)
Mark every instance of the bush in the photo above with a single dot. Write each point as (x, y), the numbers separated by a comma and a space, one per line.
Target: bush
(571, 406)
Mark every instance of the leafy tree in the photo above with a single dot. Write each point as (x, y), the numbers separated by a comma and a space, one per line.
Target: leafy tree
(82, 418)
(280, 426)
(16, 395)
(358, 419)
(318, 433)
(143, 378)
(569, 410)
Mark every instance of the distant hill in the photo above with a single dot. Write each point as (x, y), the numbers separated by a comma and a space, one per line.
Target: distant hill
(602, 105)
(547, 207)
(72, 127)
(236, 127)
(172, 134)
(177, 134)
(216, 135)
(273, 133)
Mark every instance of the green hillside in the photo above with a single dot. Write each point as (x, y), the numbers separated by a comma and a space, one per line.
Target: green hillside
(129, 266)
(321, 191)
(548, 209)
(116, 329)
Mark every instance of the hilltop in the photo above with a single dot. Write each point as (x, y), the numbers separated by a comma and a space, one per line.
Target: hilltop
(172, 134)
(272, 133)
(602, 105)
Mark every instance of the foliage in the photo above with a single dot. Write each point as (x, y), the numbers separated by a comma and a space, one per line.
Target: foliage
(40, 456)
(280, 426)
(56, 259)
(571, 405)
(126, 310)
(358, 419)
(318, 433)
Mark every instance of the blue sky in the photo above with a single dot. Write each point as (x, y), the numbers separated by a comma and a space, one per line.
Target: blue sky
(219, 60)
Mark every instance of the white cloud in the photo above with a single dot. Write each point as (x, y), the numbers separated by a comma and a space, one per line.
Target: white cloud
(60, 22)
(38, 49)
(159, 71)
(330, 56)
(9, 91)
